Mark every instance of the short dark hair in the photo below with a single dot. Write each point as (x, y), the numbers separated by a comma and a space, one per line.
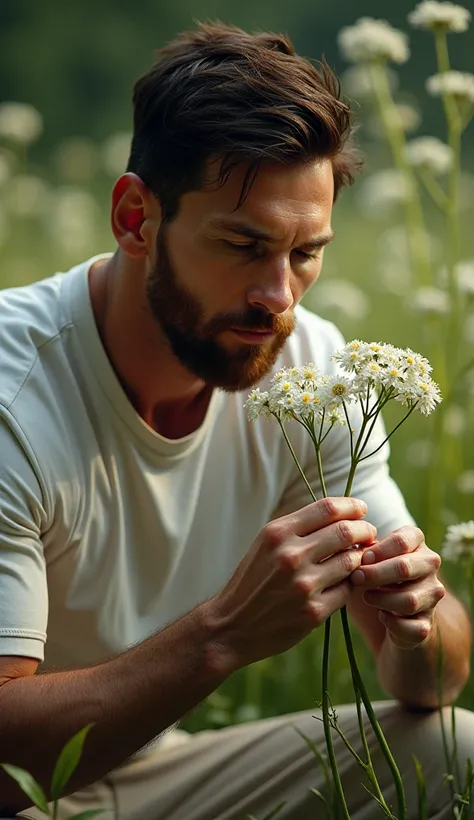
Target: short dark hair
(218, 91)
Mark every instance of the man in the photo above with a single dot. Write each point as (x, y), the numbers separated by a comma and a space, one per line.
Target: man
(153, 540)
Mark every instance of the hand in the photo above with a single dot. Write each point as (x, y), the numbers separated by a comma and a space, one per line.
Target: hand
(294, 576)
(399, 576)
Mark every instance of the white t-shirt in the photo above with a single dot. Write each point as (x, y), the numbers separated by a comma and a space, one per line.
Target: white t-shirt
(108, 530)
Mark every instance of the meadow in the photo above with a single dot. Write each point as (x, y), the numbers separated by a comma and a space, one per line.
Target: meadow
(401, 270)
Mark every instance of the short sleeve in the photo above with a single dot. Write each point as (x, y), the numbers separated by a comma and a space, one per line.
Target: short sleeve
(23, 584)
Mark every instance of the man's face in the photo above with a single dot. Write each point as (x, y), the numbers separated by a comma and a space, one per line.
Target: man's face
(225, 282)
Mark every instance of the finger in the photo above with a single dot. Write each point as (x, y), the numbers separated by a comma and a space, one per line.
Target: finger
(406, 633)
(328, 602)
(407, 599)
(399, 542)
(314, 578)
(409, 567)
(336, 537)
(322, 513)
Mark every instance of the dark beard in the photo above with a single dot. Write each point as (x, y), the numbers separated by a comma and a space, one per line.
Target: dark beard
(194, 342)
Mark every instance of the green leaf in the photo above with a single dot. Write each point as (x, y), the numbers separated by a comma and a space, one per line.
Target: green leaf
(420, 779)
(274, 812)
(28, 784)
(319, 795)
(84, 815)
(68, 762)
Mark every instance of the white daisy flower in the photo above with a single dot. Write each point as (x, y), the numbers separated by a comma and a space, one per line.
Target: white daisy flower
(459, 542)
(343, 296)
(465, 276)
(257, 404)
(371, 40)
(20, 122)
(430, 300)
(335, 417)
(335, 391)
(457, 83)
(465, 482)
(430, 154)
(382, 191)
(435, 16)
(425, 393)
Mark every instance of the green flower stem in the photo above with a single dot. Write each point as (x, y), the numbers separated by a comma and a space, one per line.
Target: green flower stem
(419, 247)
(401, 802)
(438, 195)
(308, 485)
(327, 723)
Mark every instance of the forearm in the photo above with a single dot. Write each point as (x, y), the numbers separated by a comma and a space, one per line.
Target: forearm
(131, 699)
(412, 676)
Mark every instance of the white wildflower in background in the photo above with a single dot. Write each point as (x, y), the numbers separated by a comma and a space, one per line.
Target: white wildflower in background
(430, 300)
(382, 191)
(408, 115)
(419, 453)
(115, 153)
(20, 122)
(371, 40)
(357, 81)
(77, 159)
(435, 16)
(465, 482)
(26, 196)
(459, 542)
(72, 219)
(457, 83)
(454, 421)
(430, 154)
(465, 276)
(341, 295)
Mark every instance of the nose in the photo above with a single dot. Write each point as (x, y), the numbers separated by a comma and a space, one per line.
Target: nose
(272, 289)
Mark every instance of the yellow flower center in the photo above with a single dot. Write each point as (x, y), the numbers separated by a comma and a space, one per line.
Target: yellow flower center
(338, 389)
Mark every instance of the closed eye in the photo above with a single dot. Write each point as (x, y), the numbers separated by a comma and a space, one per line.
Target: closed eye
(252, 246)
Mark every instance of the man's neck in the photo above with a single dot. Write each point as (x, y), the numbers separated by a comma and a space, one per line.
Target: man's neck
(166, 396)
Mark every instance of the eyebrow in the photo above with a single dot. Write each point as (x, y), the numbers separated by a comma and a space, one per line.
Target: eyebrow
(242, 229)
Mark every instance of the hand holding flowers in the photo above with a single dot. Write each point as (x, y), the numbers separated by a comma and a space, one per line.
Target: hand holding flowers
(399, 573)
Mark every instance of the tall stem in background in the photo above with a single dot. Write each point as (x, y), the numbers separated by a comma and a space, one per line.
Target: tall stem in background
(418, 239)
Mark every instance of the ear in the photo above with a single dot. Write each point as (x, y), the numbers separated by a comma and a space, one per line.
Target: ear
(135, 216)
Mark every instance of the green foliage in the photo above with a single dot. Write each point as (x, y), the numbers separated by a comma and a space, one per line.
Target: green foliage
(28, 785)
(68, 762)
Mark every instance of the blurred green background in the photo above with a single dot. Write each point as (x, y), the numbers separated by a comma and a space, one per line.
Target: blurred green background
(76, 64)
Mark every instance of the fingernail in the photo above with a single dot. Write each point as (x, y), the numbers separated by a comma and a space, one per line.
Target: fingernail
(368, 557)
(362, 505)
(358, 577)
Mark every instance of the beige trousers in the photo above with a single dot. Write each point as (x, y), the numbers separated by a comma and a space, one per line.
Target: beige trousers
(250, 768)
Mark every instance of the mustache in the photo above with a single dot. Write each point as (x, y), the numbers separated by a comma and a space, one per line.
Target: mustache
(251, 320)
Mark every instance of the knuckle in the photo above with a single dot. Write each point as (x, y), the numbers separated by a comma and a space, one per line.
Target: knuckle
(274, 534)
(403, 569)
(288, 559)
(328, 507)
(412, 603)
(315, 611)
(402, 540)
(440, 591)
(424, 629)
(435, 560)
(343, 531)
(302, 585)
(349, 560)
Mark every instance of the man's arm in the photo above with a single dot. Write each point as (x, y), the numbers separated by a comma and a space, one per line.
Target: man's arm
(132, 699)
